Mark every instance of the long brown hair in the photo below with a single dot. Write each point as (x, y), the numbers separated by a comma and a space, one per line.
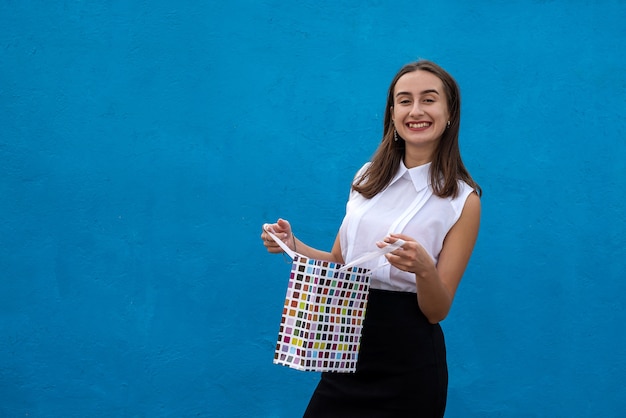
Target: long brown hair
(446, 169)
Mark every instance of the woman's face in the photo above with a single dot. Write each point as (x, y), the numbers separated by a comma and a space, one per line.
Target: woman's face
(420, 110)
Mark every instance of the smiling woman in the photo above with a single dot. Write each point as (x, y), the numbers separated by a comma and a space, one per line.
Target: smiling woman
(415, 189)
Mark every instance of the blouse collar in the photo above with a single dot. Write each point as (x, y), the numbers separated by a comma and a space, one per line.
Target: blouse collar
(419, 176)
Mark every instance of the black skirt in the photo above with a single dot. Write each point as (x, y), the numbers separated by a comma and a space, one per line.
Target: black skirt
(401, 371)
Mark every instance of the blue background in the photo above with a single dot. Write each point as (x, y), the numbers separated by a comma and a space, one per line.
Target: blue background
(143, 145)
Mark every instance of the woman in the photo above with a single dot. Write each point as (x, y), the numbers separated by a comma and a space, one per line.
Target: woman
(417, 189)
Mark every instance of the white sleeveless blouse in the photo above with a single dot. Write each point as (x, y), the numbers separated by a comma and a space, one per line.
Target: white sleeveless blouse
(369, 220)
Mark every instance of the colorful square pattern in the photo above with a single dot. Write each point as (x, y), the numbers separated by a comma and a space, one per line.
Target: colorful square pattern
(323, 316)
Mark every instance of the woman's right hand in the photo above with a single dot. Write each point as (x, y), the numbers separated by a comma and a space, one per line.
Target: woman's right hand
(282, 230)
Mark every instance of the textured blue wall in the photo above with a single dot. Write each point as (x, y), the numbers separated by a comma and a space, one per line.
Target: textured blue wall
(143, 144)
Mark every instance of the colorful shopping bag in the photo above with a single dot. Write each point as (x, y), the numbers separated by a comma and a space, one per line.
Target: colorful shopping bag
(323, 313)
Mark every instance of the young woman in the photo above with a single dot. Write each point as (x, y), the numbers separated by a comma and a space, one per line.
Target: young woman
(416, 188)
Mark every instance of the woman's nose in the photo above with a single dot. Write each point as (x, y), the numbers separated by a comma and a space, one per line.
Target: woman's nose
(416, 110)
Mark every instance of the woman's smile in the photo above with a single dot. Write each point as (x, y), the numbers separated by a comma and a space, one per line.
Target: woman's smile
(418, 125)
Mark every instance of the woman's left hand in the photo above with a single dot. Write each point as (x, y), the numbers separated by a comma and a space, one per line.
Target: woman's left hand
(411, 257)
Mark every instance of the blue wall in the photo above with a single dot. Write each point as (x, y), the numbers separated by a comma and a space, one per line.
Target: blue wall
(143, 144)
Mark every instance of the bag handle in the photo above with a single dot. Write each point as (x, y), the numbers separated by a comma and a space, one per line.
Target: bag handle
(365, 257)
(291, 253)
(373, 254)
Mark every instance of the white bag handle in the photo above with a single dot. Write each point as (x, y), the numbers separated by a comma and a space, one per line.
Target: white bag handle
(374, 254)
(291, 253)
(365, 257)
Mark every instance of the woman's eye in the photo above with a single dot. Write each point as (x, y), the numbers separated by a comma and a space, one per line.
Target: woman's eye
(429, 100)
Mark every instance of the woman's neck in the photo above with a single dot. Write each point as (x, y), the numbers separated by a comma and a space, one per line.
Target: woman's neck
(417, 157)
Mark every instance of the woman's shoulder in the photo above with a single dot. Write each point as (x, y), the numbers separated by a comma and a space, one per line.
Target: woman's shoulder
(464, 191)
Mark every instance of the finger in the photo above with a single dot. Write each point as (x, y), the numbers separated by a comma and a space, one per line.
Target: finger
(402, 237)
(272, 246)
(283, 224)
(266, 238)
(391, 240)
(274, 229)
(265, 235)
(397, 261)
(393, 259)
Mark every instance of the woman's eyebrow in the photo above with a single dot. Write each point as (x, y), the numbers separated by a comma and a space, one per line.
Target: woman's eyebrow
(428, 91)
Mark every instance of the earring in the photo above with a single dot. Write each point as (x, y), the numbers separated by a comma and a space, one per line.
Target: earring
(395, 135)
(448, 124)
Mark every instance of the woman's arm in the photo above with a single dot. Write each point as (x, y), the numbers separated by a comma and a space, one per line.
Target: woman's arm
(436, 285)
(282, 229)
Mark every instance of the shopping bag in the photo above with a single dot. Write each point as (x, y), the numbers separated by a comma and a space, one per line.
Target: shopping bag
(323, 313)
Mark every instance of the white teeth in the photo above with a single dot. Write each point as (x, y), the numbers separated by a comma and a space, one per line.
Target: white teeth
(419, 125)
